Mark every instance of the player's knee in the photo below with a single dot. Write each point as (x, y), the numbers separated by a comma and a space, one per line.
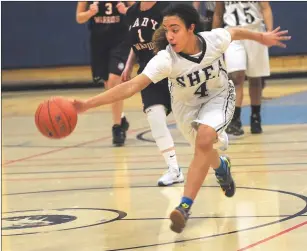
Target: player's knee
(157, 120)
(113, 80)
(255, 82)
(237, 77)
(206, 136)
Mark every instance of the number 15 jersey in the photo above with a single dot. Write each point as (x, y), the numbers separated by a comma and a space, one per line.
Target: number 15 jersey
(247, 14)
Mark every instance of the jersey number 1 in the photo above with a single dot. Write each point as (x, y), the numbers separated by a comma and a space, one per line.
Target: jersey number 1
(140, 36)
(249, 18)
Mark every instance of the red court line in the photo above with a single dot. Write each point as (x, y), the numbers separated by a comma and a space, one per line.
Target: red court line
(65, 148)
(273, 236)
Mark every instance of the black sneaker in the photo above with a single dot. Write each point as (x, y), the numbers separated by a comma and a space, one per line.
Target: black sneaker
(256, 124)
(119, 135)
(226, 182)
(235, 129)
(124, 124)
(179, 217)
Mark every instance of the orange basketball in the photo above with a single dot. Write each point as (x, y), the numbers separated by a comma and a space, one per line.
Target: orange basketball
(56, 118)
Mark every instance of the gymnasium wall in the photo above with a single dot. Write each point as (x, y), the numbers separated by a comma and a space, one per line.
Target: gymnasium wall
(45, 34)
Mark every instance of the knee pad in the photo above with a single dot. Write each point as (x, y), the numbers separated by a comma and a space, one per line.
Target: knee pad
(156, 117)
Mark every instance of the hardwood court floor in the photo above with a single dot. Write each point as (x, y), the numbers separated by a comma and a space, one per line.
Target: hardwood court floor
(81, 194)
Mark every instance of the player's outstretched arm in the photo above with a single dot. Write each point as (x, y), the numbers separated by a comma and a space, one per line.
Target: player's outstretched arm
(272, 38)
(119, 92)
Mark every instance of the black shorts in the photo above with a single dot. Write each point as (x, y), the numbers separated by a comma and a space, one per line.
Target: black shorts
(157, 94)
(107, 56)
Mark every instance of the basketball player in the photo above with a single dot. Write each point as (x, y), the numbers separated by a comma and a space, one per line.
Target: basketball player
(145, 18)
(203, 98)
(108, 53)
(246, 57)
(208, 8)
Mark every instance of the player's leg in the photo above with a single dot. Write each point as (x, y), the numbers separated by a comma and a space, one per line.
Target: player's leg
(211, 120)
(118, 57)
(157, 105)
(99, 59)
(235, 58)
(255, 93)
(258, 67)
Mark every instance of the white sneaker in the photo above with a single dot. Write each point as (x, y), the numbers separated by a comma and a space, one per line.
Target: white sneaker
(223, 141)
(171, 177)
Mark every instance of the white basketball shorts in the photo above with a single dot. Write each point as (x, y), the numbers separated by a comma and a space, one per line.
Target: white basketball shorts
(215, 112)
(249, 56)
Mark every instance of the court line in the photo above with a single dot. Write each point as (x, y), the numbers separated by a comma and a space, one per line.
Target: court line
(274, 236)
(131, 175)
(141, 137)
(153, 142)
(146, 169)
(216, 217)
(301, 212)
(113, 169)
(181, 154)
(67, 147)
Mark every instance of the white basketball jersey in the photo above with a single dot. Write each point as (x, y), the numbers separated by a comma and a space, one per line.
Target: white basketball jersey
(247, 14)
(193, 80)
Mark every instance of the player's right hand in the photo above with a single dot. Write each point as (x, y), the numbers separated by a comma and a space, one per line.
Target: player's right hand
(126, 74)
(121, 7)
(80, 105)
(93, 9)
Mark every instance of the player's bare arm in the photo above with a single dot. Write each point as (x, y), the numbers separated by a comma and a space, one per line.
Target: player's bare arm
(218, 15)
(119, 92)
(83, 14)
(269, 39)
(267, 15)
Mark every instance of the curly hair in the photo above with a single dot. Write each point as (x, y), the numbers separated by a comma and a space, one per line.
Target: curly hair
(188, 14)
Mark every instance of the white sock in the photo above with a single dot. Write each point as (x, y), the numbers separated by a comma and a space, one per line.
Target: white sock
(123, 115)
(171, 160)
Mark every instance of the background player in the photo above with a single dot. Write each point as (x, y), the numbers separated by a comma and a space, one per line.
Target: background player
(206, 7)
(145, 18)
(203, 97)
(109, 53)
(246, 57)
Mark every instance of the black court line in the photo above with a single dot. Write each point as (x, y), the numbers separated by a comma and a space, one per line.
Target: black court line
(289, 217)
(141, 137)
(217, 217)
(129, 169)
(286, 218)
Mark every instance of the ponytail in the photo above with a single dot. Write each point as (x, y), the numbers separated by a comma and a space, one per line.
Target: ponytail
(159, 40)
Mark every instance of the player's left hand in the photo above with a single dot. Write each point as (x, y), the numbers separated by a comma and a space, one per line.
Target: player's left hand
(121, 7)
(274, 38)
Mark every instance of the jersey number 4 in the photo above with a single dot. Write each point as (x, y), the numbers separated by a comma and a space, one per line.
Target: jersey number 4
(249, 18)
(202, 91)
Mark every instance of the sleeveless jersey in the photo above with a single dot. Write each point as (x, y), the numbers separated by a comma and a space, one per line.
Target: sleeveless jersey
(143, 24)
(108, 20)
(193, 80)
(246, 14)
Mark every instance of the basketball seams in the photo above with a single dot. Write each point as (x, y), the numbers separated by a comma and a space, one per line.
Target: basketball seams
(63, 111)
(50, 119)
(37, 114)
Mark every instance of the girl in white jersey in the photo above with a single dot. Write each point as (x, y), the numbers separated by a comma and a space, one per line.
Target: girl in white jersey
(202, 96)
(246, 58)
